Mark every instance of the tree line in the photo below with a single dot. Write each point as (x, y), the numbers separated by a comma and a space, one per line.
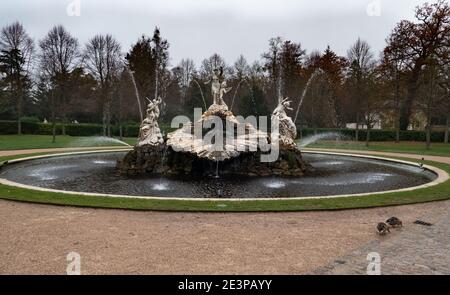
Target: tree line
(63, 81)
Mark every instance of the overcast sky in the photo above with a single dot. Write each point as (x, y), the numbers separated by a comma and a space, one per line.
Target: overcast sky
(199, 28)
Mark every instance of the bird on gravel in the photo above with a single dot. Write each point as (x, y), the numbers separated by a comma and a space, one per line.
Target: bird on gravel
(394, 222)
(383, 228)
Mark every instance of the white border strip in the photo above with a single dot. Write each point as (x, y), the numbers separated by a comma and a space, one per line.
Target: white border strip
(442, 176)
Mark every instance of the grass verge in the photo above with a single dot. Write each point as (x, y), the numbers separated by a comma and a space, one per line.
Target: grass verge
(18, 142)
(407, 147)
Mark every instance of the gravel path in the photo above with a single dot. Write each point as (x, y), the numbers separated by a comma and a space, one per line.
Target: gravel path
(35, 239)
(413, 249)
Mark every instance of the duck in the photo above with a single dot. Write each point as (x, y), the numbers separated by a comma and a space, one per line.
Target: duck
(394, 222)
(383, 228)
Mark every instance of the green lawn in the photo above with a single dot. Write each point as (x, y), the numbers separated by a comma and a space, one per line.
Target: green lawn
(409, 147)
(17, 142)
(12, 142)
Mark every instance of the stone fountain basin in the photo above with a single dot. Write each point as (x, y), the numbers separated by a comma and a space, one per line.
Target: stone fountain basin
(334, 175)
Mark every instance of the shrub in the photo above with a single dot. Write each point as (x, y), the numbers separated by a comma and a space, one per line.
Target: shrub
(10, 127)
(30, 119)
(132, 130)
(377, 135)
(84, 129)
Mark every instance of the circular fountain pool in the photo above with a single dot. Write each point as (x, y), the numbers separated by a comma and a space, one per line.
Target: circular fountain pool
(333, 175)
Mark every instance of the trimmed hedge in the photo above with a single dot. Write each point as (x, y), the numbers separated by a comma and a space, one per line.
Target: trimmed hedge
(377, 135)
(10, 127)
(132, 130)
(129, 130)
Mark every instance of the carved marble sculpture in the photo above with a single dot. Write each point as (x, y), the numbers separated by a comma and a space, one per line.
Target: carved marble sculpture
(287, 129)
(149, 133)
(250, 138)
(216, 136)
(218, 86)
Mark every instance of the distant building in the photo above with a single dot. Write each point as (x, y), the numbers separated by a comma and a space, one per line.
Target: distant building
(376, 125)
(418, 120)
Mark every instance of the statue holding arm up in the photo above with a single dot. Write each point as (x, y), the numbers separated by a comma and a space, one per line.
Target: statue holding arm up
(218, 86)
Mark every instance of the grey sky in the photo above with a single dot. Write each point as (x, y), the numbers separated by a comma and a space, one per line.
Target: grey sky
(199, 28)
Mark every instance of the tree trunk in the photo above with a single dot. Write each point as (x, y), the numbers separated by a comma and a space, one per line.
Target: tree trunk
(19, 115)
(428, 136)
(53, 118)
(368, 135)
(19, 96)
(397, 106)
(109, 122)
(397, 130)
(428, 127)
(447, 123)
(357, 127)
(406, 108)
(19, 126)
(104, 120)
(63, 115)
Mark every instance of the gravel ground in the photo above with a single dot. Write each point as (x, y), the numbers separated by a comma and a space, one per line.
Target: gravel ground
(35, 239)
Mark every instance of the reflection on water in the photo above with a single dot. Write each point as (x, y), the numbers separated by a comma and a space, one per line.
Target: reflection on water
(333, 175)
(160, 186)
(275, 184)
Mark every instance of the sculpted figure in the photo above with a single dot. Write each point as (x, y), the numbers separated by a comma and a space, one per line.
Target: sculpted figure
(153, 111)
(218, 86)
(287, 128)
(149, 133)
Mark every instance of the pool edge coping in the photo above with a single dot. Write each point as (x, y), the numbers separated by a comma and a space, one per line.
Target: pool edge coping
(442, 176)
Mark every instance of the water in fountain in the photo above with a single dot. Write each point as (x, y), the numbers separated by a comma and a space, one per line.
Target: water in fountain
(217, 169)
(161, 186)
(137, 93)
(348, 174)
(321, 136)
(305, 91)
(201, 93)
(251, 95)
(235, 92)
(98, 141)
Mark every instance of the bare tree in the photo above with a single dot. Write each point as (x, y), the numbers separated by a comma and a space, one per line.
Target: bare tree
(184, 72)
(14, 36)
(431, 100)
(445, 86)
(215, 61)
(102, 58)
(414, 43)
(272, 64)
(17, 46)
(59, 56)
(241, 68)
(161, 57)
(361, 62)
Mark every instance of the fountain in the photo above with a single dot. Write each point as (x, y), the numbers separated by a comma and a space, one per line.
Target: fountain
(218, 155)
(198, 149)
(136, 92)
(305, 90)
